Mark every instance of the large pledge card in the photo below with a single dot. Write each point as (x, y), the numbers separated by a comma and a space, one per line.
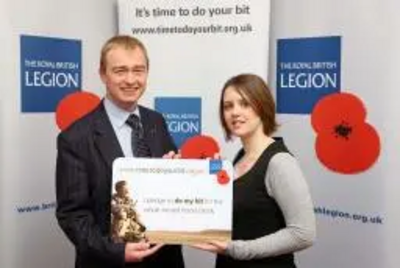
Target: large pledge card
(173, 201)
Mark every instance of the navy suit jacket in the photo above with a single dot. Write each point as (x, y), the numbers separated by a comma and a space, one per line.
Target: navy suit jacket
(86, 151)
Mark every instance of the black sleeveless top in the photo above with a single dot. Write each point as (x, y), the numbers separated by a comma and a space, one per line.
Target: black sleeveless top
(255, 213)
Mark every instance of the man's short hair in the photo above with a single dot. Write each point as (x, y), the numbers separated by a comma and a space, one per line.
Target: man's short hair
(123, 41)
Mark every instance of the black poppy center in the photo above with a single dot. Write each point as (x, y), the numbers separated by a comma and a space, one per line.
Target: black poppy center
(343, 130)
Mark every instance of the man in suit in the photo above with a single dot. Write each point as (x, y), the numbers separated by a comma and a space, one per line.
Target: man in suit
(86, 151)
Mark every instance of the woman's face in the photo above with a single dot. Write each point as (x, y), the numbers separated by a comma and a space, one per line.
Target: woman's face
(240, 118)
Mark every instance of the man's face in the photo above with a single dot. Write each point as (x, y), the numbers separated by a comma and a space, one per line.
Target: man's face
(125, 76)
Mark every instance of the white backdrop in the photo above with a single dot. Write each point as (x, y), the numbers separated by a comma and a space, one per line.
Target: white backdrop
(370, 56)
(27, 141)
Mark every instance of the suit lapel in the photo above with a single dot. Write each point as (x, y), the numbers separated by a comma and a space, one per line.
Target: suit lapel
(105, 138)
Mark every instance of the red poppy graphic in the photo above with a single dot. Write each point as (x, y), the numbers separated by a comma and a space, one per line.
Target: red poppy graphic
(75, 106)
(223, 177)
(345, 142)
(199, 147)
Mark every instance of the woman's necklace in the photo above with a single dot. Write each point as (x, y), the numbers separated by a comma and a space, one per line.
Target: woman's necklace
(244, 165)
(248, 160)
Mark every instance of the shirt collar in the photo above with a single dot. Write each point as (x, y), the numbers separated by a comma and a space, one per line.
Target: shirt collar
(118, 115)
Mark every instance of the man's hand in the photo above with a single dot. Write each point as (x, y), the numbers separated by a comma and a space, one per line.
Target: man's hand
(172, 155)
(136, 252)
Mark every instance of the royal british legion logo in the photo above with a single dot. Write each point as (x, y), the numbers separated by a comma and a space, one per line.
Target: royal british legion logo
(51, 68)
(307, 70)
(183, 116)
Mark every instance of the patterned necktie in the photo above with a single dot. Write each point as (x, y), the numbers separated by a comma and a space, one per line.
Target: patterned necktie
(139, 146)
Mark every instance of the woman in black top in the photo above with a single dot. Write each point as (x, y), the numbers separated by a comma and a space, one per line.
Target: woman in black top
(272, 210)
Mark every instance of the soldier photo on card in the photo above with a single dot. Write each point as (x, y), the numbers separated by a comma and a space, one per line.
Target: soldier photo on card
(125, 221)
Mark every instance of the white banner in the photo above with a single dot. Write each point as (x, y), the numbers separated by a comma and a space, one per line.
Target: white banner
(357, 213)
(194, 47)
(30, 236)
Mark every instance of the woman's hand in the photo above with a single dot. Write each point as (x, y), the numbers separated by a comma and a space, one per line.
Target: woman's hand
(217, 247)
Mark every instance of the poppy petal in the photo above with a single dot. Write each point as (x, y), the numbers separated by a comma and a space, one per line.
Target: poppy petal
(199, 147)
(335, 108)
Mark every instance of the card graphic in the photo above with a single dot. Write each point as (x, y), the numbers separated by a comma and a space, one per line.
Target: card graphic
(173, 201)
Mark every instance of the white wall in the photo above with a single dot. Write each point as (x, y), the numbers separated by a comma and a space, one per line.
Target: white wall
(28, 140)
